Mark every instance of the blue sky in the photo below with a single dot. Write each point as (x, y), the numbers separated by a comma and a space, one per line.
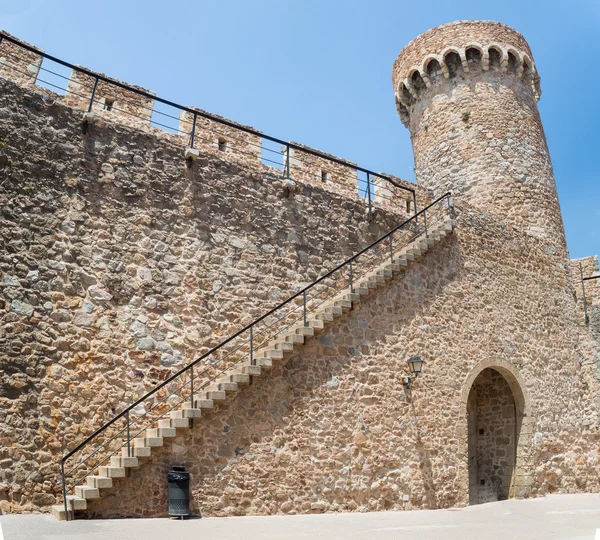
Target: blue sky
(319, 71)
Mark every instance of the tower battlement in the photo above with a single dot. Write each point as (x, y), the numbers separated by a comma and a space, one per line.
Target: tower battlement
(468, 93)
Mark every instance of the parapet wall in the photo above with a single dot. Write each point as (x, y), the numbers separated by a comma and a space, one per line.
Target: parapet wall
(114, 101)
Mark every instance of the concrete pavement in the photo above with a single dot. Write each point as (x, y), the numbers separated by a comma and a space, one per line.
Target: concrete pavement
(557, 517)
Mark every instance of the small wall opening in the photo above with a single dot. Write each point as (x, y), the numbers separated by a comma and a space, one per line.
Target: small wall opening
(495, 59)
(108, 104)
(474, 57)
(223, 145)
(453, 63)
(418, 81)
(434, 70)
(513, 63)
(408, 207)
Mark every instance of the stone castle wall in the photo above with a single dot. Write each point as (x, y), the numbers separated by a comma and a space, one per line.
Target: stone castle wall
(121, 261)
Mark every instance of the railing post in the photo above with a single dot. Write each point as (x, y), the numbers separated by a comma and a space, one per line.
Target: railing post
(93, 95)
(64, 488)
(415, 206)
(192, 387)
(392, 248)
(585, 312)
(287, 161)
(128, 437)
(351, 279)
(252, 345)
(193, 135)
(425, 222)
(369, 196)
(304, 302)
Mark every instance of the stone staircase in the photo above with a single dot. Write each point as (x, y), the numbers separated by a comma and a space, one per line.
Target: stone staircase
(234, 380)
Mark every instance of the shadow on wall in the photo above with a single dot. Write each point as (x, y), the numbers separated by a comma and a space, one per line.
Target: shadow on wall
(307, 437)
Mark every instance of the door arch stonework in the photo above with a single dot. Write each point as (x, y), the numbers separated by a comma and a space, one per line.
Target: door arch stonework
(521, 469)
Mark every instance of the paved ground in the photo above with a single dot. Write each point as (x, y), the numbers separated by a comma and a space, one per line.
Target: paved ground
(564, 517)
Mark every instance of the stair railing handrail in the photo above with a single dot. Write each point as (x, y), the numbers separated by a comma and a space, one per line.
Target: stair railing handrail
(203, 114)
(247, 327)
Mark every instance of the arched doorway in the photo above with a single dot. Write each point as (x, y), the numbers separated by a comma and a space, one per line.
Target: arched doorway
(496, 440)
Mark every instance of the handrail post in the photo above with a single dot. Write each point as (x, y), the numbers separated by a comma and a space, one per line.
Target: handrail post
(193, 134)
(369, 196)
(252, 345)
(392, 248)
(304, 302)
(128, 436)
(585, 312)
(287, 161)
(351, 279)
(192, 386)
(64, 488)
(415, 206)
(93, 95)
(425, 223)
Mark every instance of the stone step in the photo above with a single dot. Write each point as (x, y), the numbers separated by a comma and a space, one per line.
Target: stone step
(162, 432)
(112, 472)
(203, 403)
(214, 395)
(316, 324)
(324, 316)
(362, 290)
(58, 511)
(369, 284)
(126, 462)
(186, 412)
(251, 370)
(148, 441)
(284, 346)
(174, 423)
(100, 482)
(137, 451)
(292, 338)
(351, 297)
(346, 305)
(336, 311)
(377, 278)
(238, 378)
(87, 492)
(385, 273)
(304, 331)
(229, 387)
(269, 353)
(263, 362)
(76, 503)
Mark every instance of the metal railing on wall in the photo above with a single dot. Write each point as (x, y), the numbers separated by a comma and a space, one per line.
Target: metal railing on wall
(370, 186)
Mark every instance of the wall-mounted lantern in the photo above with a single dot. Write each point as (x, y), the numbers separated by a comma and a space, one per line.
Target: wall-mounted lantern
(415, 364)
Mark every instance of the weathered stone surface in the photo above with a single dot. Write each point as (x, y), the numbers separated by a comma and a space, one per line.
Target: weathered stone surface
(126, 261)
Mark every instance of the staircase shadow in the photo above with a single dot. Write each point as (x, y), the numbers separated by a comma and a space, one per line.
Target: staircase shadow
(318, 431)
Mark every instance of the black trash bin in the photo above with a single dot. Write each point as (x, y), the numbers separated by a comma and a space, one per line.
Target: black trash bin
(179, 492)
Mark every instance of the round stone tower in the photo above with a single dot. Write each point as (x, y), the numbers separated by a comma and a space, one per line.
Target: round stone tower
(468, 93)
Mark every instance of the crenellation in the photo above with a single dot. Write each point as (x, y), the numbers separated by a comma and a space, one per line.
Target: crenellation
(18, 64)
(220, 140)
(110, 101)
(341, 178)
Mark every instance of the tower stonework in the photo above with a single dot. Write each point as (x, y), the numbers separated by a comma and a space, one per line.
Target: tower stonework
(468, 93)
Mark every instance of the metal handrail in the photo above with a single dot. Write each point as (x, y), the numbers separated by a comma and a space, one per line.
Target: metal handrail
(250, 325)
(196, 113)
